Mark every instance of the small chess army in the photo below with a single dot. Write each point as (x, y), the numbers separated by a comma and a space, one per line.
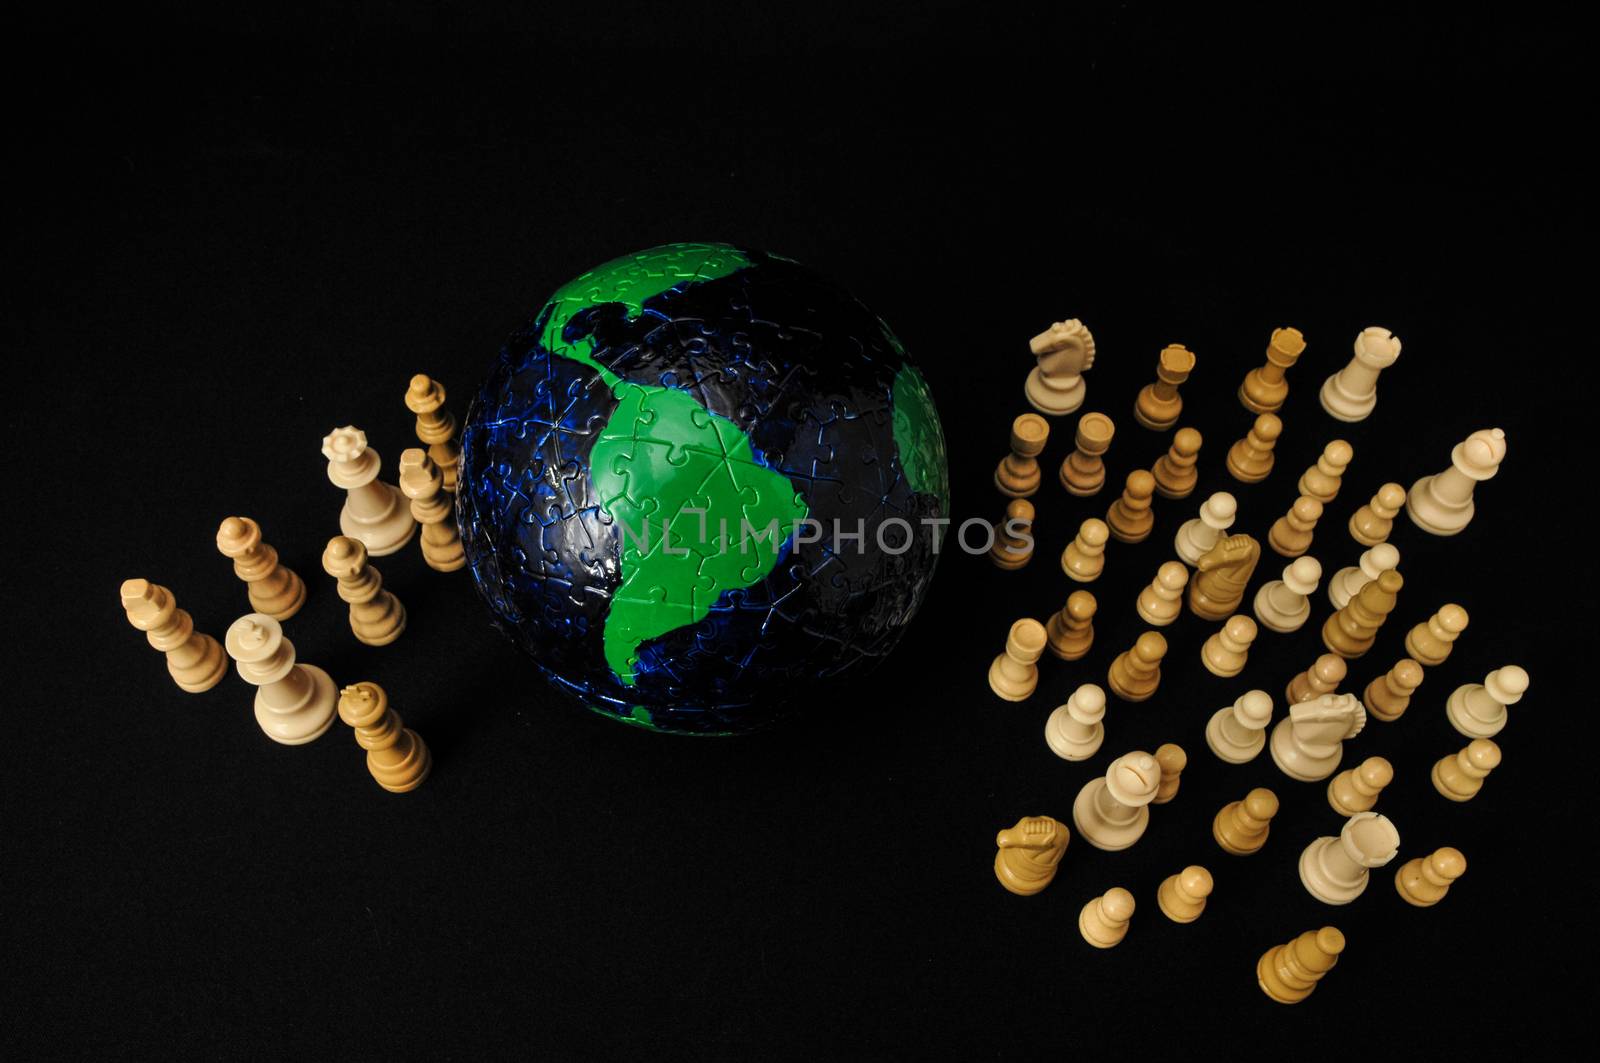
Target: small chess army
(1208, 578)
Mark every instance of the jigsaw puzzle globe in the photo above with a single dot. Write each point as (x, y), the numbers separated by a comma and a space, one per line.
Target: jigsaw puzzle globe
(701, 483)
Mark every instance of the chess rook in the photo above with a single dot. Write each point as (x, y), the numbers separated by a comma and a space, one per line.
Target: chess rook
(1250, 459)
(1015, 673)
(1158, 404)
(1083, 472)
(1283, 605)
(1335, 870)
(194, 660)
(1182, 897)
(1308, 743)
(422, 482)
(1225, 652)
(1055, 385)
(1160, 603)
(1442, 504)
(1356, 789)
(1018, 475)
(375, 513)
(1478, 710)
(1129, 517)
(1289, 973)
(1291, 534)
(1264, 388)
(1321, 481)
(294, 702)
(396, 757)
(1431, 641)
(1347, 582)
(1103, 922)
(1372, 523)
(1111, 812)
(1027, 854)
(1460, 776)
(1223, 573)
(436, 427)
(1135, 673)
(1388, 696)
(1174, 471)
(1323, 677)
(1237, 733)
(1085, 556)
(1075, 730)
(272, 588)
(1171, 758)
(1013, 536)
(1200, 534)
(1351, 631)
(1351, 393)
(376, 616)
(1241, 827)
(1424, 881)
(1070, 632)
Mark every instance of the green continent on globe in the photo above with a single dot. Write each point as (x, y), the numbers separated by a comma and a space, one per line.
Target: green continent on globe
(918, 437)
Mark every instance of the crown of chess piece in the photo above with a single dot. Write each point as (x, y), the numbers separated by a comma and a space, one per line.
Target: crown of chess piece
(1478, 710)
(1083, 472)
(1350, 631)
(1388, 696)
(1250, 459)
(1160, 603)
(1350, 394)
(273, 589)
(1430, 642)
(1289, 973)
(1372, 523)
(1236, 733)
(1136, 672)
(194, 660)
(1459, 776)
(1264, 387)
(1182, 897)
(1424, 881)
(1175, 471)
(1308, 743)
(1064, 350)
(1018, 475)
(1283, 605)
(1111, 812)
(1075, 730)
(1335, 869)
(423, 483)
(436, 426)
(1321, 481)
(1199, 534)
(376, 616)
(1223, 573)
(1070, 632)
(1130, 518)
(374, 512)
(1442, 504)
(294, 702)
(1085, 556)
(1241, 827)
(1291, 534)
(1323, 677)
(1027, 854)
(1225, 652)
(1356, 789)
(1103, 922)
(1015, 673)
(1013, 536)
(1158, 404)
(1171, 758)
(396, 757)
(1348, 581)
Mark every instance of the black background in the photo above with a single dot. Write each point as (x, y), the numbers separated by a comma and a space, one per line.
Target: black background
(238, 231)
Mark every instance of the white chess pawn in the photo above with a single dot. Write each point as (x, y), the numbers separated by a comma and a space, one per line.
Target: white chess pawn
(1112, 812)
(1160, 603)
(1307, 743)
(296, 702)
(374, 512)
(1074, 730)
(1284, 604)
(1335, 870)
(1352, 392)
(1064, 350)
(1199, 535)
(1442, 504)
(1347, 581)
(1237, 732)
(1478, 710)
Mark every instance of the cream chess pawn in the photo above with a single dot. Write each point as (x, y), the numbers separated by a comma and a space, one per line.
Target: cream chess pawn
(1478, 710)
(436, 426)
(1290, 973)
(1323, 677)
(1171, 759)
(273, 589)
(1308, 743)
(1351, 393)
(1283, 605)
(1424, 881)
(1075, 730)
(1129, 518)
(1070, 632)
(1240, 828)
(1018, 475)
(1460, 775)
(1201, 533)
(376, 616)
(1335, 870)
(1064, 350)
(1347, 582)
(1442, 504)
(1226, 651)
(1372, 523)
(194, 660)
(1264, 387)
(1015, 673)
(1135, 673)
(398, 760)
(1160, 603)
(1174, 471)
(1431, 641)
(1388, 696)
(295, 702)
(1027, 854)
(1321, 481)
(1111, 812)
(1013, 536)
(1103, 922)
(1237, 733)
(1250, 460)
(1085, 556)
(1182, 897)
(423, 483)
(1351, 631)
(1291, 534)
(374, 512)
(1356, 789)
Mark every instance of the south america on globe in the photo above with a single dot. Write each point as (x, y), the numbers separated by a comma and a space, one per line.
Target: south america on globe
(702, 486)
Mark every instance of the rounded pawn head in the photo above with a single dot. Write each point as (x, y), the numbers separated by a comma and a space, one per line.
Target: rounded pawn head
(1081, 605)
(1240, 629)
(1383, 557)
(1195, 881)
(1140, 483)
(1186, 441)
(1268, 428)
(1117, 905)
(1303, 574)
(1261, 804)
(1452, 619)
(1090, 700)
(1483, 754)
(1172, 759)
(1376, 772)
(1306, 510)
(1020, 511)
(1094, 532)
(1507, 685)
(1390, 581)
(1329, 670)
(1390, 498)
(1338, 453)
(1219, 509)
(1173, 576)
(1330, 941)
(1150, 647)
(1407, 674)
(1448, 863)
(1254, 706)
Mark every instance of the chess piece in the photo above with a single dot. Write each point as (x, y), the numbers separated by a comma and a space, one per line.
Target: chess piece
(1182, 897)
(1308, 742)
(294, 702)
(376, 616)
(374, 512)
(1158, 404)
(1136, 672)
(1064, 350)
(1335, 870)
(1224, 653)
(1018, 475)
(1424, 881)
(1352, 392)
(1160, 603)
(1241, 827)
(1129, 517)
(1372, 523)
(1283, 605)
(1356, 789)
(272, 588)
(1442, 504)
(1085, 556)
(1430, 642)
(1110, 812)
(1348, 581)
(1460, 775)
(1478, 710)
(1323, 677)
(1103, 922)
(1264, 388)
(1201, 533)
(422, 481)
(1250, 459)
(1175, 471)
(1350, 632)
(1387, 696)
(1291, 534)
(1322, 480)
(1015, 673)
(1027, 854)
(1171, 758)
(1074, 731)
(1070, 632)
(1083, 472)
(396, 757)
(1013, 536)
(436, 427)
(194, 660)
(1237, 732)
(1289, 973)
(1224, 571)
